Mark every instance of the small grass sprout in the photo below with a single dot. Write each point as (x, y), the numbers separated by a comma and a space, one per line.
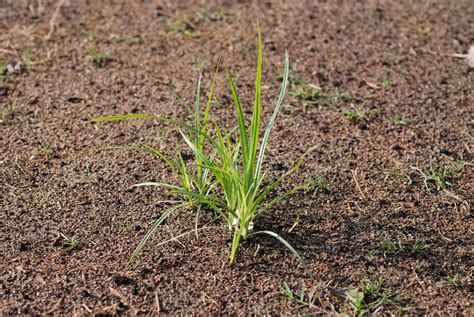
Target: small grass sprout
(47, 150)
(306, 93)
(452, 280)
(8, 112)
(99, 59)
(391, 248)
(400, 121)
(69, 242)
(336, 96)
(3, 72)
(355, 114)
(304, 298)
(418, 246)
(132, 40)
(442, 177)
(25, 56)
(371, 288)
(405, 178)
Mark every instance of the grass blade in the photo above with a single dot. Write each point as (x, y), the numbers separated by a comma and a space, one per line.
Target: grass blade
(153, 229)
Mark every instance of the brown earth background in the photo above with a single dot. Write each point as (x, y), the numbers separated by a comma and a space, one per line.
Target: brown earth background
(394, 59)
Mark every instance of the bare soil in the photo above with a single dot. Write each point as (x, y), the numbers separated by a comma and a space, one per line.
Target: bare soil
(378, 220)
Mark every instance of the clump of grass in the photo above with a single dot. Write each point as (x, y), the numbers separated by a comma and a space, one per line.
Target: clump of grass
(418, 246)
(405, 178)
(452, 280)
(99, 59)
(69, 242)
(228, 176)
(395, 248)
(355, 114)
(46, 150)
(391, 248)
(400, 121)
(308, 94)
(441, 178)
(385, 80)
(336, 96)
(238, 166)
(369, 297)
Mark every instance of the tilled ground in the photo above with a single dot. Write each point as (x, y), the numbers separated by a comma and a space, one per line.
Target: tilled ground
(377, 221)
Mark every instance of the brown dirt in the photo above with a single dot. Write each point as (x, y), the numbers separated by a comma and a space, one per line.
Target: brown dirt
(395, 61)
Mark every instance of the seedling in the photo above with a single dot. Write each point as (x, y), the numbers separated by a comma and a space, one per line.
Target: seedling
(70, 242)
(26, 60)
(8, 112)
(304, 298)
(391, 248)
(3, 72)
(356, 301)
(99, 59)
(46, 150)
(319, 184)
(307, 94)
(441, 178)
(386, 80)
(451, 280)
(182, 25)
(400, 121)
(132, 40)
(355, 115)
(336, 96)
(405, 178)
(371, 288)
(418, 246)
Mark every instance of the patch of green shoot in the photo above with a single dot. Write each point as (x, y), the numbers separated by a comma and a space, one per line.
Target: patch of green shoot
(385, 80)
(319, 184)
(441, 178)
(405, 178)
(8, 112)
(25, 56)
(336, 96)
(3, 72)
(46, 150)
(419, 246)
(307, 94)
(355, 114)
(400, 121)
(305, 297)
(69, 242)
(132, 40)
(452, 280)
(99, 59)
(391, 248)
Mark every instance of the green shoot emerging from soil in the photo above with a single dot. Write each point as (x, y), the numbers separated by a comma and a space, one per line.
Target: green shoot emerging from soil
(355, 114)
(228, 177)
(441, 178)
(26, 60)
(99, 59)
(3, 72)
